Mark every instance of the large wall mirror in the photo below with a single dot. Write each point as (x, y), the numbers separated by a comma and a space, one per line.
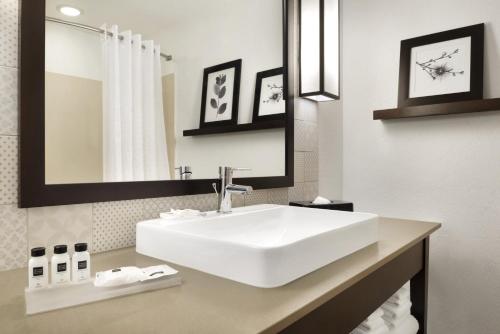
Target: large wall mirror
(125, 99)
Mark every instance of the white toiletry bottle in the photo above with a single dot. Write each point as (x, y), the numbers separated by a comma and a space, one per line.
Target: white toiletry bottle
(80, 263)
(60, 265)
(38, 267)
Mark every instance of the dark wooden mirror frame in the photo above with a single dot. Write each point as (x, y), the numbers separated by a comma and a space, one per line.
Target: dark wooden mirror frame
(33, 190)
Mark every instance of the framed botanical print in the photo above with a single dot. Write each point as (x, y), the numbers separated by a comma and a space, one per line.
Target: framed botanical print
(442, 67)
(220, 95)
(269, 103)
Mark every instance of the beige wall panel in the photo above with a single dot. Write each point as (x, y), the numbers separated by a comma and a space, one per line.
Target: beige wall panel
(73, 123)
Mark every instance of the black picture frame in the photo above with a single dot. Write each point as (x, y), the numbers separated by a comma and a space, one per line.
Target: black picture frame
(476, 32)
(236, 64)
(258, 90)
(34, 192)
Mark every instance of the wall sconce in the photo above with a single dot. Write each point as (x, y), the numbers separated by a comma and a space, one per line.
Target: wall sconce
(319, 50)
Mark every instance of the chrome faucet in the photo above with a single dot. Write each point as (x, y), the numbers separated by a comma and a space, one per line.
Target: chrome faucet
(227, 188)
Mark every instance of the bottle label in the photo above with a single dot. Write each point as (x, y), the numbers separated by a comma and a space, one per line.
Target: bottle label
(38, 271)
(61, 267)
(82, 265)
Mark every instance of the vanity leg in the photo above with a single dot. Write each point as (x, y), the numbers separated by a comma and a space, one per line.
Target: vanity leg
(418, 288)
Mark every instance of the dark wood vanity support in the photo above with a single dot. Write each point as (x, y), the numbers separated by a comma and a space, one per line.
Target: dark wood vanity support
(351, 307)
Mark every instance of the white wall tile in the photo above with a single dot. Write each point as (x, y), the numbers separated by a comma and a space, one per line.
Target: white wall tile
(204, 202)
(114, 224)
(8, 32)
(257, 197)
(306, 136)
(8, 101)
(238, 200)
(296, 193)
(278, 196)
(154, 206)
(310, 191)
(306, 110)
(66, 225)
(299, 165)
(13, 237)
(8, 169)
(311, 166)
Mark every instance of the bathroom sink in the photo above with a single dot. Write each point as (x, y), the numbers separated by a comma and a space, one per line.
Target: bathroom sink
(264, 245)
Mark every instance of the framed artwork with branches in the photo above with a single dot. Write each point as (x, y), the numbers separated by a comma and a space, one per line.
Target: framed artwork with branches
(220, 95)
(269, 102)
(442, 67)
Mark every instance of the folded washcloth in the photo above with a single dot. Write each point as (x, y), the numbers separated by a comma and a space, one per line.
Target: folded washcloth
(187, 213)
(401, 294)
(381, 330)
(321, 200)
(377, 314)
(372, 324)
(396, 312)
(409, 326)
(399, 300)
(392, 323)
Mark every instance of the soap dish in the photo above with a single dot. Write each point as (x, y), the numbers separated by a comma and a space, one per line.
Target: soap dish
(73, 294)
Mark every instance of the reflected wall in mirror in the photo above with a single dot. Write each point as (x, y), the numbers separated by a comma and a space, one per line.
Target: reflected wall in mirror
(124, 79)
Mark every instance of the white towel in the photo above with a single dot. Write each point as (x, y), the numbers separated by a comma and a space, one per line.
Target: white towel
(399, 300)
(321, 200)
(377, 314)
(391, 322)
(409, 326)
(401, 294)
(372, 324)
(396, 312)
(381, 330)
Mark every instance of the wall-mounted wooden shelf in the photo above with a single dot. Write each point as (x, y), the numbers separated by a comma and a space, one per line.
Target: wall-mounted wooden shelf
(460, 107)
(276, 124)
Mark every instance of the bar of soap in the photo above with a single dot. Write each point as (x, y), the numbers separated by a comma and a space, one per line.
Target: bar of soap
(321, 200)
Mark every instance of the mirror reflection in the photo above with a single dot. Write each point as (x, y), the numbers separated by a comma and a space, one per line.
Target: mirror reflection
(125, 80)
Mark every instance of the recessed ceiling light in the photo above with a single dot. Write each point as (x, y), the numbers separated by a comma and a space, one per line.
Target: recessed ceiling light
(69, 10)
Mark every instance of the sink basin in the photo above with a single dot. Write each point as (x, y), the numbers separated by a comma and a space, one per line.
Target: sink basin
(264, 245)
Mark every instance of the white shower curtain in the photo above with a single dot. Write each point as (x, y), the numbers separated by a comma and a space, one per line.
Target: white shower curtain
(134, 137)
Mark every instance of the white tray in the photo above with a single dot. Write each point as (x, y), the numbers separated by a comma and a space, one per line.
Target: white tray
(62, 296)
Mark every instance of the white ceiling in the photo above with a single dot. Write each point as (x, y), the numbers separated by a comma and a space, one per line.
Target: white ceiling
(144, 16)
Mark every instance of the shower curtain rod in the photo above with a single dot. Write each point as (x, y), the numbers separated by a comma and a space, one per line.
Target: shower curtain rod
(101, 31)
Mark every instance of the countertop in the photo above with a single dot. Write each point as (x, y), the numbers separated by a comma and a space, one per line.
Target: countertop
(205, 303)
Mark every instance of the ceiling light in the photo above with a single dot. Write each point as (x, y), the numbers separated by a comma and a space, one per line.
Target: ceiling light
(69, 11)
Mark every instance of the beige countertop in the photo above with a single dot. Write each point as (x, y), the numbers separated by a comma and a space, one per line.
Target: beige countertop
(205, 303)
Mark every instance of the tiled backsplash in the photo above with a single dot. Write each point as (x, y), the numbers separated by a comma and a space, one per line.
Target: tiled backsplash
(107, 226)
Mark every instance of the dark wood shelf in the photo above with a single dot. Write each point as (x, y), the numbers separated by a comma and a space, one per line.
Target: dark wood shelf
(451, 108)
(236, 128)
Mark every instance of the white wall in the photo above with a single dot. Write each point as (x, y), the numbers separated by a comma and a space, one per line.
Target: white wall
(444, 169)
(73, 51)
(251, 30)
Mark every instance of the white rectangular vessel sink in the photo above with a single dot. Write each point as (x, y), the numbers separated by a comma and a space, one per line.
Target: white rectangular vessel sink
(264, 245)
